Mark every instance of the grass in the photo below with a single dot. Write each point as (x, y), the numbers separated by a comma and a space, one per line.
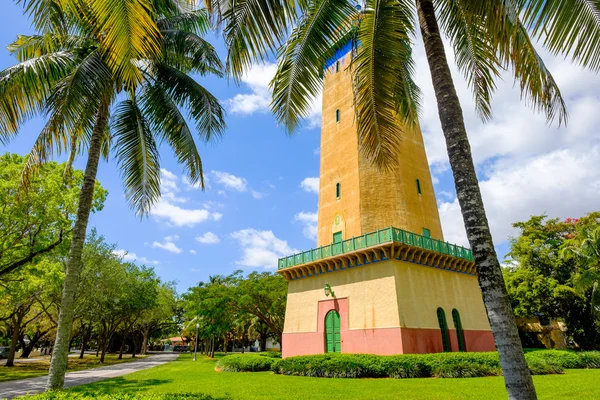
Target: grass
(31, 369)
(185, 375)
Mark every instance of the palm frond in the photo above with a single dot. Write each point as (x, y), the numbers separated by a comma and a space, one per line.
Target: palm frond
(474, 51)
(72, 108)
(380, 66)
(569, 27)
(196, 21)
(536, 82)
(125, 29)
(46, 15)
(137, 156)
(204, 108)
(299, 72)
(188, 52)
(253, 28)
(27, 47)
(169, 123)
(25, 87)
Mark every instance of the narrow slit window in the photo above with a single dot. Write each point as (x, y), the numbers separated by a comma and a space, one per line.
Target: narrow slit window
(337, 115)
(419, 187)
(337, 66)
(441, 315)
(338, 190)
(460, 335)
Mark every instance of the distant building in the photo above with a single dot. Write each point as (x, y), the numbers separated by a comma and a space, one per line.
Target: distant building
(382, 279)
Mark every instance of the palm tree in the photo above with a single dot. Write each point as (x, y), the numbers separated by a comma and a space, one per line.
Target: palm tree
(487, 36)
(68, 73)
(586, 251)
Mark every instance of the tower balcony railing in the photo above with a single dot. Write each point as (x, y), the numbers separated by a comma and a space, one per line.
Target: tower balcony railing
(382, 236)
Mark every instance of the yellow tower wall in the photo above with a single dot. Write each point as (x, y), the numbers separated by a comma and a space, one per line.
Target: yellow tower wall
(369, 199)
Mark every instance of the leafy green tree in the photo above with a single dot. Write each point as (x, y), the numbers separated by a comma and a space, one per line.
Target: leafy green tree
(486, 36)
(543, 277)
(160, 317)
(19, 295)
(36, 222)
(264, 296)
(72, 72)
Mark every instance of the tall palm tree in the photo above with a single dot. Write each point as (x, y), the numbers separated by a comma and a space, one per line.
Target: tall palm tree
(487, 36)
(66, 73)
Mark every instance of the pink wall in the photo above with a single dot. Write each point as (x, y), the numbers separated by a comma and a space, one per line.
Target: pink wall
(383, 341)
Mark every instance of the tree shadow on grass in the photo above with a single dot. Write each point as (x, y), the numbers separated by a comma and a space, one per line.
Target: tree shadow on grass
(121, 385)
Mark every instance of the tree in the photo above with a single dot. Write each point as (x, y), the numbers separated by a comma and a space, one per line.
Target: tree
(543, 275)
(264, 295)
(18, 298)
(160, 316)
(487, 37)
(78, 79)
(36, 222)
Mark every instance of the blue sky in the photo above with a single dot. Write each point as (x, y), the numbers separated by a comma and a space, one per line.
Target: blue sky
(260, 201)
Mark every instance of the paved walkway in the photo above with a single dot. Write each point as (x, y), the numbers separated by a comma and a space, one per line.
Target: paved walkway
(22, 387)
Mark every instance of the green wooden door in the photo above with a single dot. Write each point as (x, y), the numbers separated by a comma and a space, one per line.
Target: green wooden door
(337, 237)
(332, 332)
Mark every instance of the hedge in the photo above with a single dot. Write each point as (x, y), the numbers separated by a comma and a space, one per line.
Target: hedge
(246, 363)
(123, 396)
(441, 365)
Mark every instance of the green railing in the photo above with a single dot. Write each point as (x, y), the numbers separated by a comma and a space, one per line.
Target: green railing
(382, 236)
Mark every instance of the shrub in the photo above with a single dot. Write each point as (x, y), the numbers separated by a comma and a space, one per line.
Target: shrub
(441, 365)
(467, 369)
(562, 358)
(123, 396)
(590, 359)
(246, 363)
(539, 366)
(271, 354)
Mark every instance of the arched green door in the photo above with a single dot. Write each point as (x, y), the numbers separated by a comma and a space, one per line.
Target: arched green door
(332, 332)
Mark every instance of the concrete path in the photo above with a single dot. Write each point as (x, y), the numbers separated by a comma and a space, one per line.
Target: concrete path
(22, 387)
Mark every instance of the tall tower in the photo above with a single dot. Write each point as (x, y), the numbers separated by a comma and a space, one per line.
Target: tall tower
(354, 198)
(382, 280)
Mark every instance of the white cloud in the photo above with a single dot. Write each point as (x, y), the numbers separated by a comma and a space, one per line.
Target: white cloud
(230, 181)
(310, 185)
(172, 238)
(127, 256)
(208, 238)
(169, 207)
(258, 100)
(563, 183)
(178, 216)
(525, 166)
(167, 245)
(261, 248)
(193, 252)
(257, 195)
(309, 220)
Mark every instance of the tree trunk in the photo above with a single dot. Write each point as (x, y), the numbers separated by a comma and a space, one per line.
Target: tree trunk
(145, 341)
(263, 342)
(121, 349)
(517, 377)
(84, 341)
(56, 377)
(133, 346)
(16, 327)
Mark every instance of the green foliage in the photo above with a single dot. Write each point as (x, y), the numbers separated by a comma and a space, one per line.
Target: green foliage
(553, 274)
(440, 365)
(246, 363)
(187, 376)
(38, 220)
(124, 396)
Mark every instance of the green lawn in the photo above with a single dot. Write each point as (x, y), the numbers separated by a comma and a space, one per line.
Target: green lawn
(185, 375)
(31, 369)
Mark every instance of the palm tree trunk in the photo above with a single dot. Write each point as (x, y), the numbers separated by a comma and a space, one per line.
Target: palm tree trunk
(56, 376)
(517, 377)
